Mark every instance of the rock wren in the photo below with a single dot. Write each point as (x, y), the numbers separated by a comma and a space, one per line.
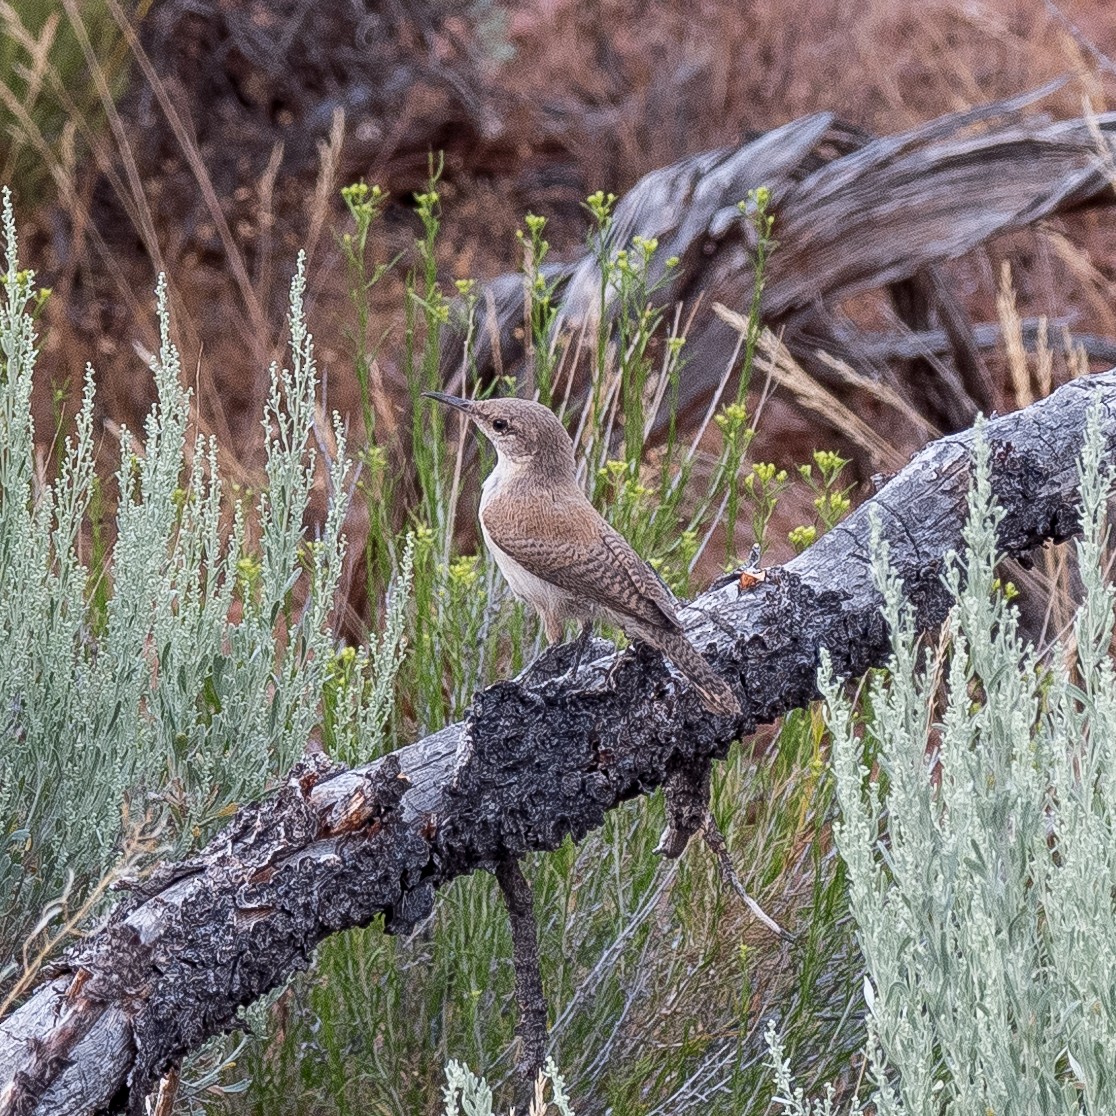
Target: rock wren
(556, 551)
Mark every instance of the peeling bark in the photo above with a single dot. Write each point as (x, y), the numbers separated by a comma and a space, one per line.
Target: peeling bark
(533, 763)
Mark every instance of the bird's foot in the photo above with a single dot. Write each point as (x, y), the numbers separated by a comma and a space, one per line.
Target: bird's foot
(635, 649)
(559, 665)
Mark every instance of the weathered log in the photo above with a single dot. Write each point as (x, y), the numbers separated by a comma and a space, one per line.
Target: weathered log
(986, 335)
(852, 214)
(530, 766)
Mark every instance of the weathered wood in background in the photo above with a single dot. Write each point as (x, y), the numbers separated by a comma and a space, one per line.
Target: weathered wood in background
(529, 767)
(852, 214)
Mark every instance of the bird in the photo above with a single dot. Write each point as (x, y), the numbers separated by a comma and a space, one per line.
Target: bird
(558, 553)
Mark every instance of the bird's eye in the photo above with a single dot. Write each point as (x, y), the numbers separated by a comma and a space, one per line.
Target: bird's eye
(500, 425)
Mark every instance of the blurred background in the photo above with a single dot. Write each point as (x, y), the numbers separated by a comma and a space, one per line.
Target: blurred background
(210, 140)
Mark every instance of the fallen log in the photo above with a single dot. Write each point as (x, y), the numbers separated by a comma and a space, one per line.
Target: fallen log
(535, 761)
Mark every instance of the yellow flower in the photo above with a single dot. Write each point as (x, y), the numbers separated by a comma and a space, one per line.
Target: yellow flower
(464, 571)
(802, 537)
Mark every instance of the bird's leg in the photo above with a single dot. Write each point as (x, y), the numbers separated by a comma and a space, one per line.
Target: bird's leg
(541, 668)
(579, 646)
(635, 646)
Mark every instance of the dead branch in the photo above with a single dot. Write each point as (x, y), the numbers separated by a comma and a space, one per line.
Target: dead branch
(852, 214)
(530, 999)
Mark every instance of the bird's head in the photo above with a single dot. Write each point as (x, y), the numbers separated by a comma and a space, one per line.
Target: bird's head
(521, 430)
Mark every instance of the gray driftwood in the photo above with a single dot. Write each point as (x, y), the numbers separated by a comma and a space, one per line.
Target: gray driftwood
(528, 767)
(852, 214)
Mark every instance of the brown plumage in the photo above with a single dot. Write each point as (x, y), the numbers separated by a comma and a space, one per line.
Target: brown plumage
(557, 552)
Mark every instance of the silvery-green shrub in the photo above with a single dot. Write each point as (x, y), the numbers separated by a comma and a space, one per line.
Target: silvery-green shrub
(200, 677)
(978, 825)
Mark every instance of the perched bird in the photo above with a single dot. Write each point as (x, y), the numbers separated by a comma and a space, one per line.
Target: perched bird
(560, 555)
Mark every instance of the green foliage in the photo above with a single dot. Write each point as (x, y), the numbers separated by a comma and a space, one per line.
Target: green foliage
(658, 980)
(831, 501)
(466, 1094)
(738, 434)
(195, 640)
(365, 205)
(978, 826)
(540, 308)
(650, 967)
(151, 687)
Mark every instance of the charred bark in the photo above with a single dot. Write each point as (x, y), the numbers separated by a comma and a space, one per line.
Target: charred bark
(529, 996)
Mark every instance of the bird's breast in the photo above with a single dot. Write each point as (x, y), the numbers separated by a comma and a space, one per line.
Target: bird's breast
(501, 474)
(514, 505)
(538, 593)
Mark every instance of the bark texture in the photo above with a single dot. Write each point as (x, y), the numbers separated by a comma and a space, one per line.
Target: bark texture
(532, 763)
(530, 999)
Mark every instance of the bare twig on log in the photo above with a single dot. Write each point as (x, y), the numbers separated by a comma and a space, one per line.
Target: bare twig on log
(530, 1028)
(529, 767)
(718, 846)
(686, 791)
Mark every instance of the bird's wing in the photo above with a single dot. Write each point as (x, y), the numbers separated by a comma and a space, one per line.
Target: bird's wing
(592, 560)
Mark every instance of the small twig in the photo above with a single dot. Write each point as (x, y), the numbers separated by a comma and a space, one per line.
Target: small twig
(715, 839)
(530, 1029)
(687, 806)
(167, 1092)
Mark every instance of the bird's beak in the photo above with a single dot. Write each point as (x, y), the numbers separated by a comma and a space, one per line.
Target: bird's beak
(465, 406)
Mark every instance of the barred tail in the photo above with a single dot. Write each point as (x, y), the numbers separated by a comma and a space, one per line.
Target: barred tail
(716, 694)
